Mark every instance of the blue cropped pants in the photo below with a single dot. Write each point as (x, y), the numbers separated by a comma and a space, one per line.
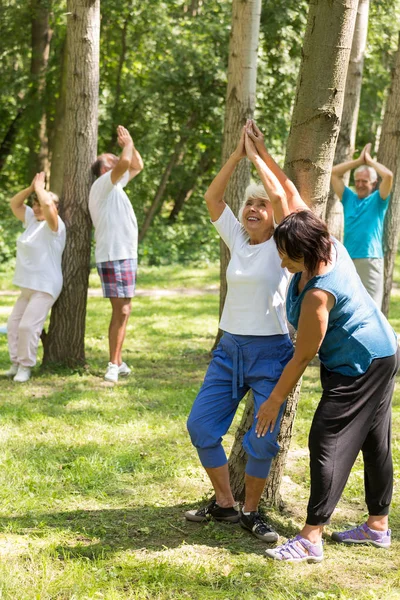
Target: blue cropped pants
(239, 363)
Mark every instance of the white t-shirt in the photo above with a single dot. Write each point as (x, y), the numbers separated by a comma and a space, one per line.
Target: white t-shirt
(116, 230)
(39, 252)
(255, 300)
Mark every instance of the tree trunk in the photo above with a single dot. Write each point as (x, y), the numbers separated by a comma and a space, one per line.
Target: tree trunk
(240, 104)
(41, 37)
(174, 160)
(319, 98)
(345, 146)
(58, 135)
(65, 340)
(389, 155)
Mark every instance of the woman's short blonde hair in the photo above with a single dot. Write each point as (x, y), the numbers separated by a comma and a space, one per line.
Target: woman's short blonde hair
(253, 190)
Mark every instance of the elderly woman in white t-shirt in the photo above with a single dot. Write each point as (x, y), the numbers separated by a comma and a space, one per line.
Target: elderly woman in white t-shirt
(255, 346)
(37, 272)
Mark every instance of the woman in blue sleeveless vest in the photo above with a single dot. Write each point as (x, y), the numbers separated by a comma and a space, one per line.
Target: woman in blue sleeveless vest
(335, 316)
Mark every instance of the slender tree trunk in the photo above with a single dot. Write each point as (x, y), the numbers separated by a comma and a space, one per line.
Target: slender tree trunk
(65, 340)
(41, 37)
(347, 136)
(59, 132)
(175, 159)
(389, 155)
(240, 104)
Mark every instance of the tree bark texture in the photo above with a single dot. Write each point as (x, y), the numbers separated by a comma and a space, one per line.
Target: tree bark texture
(389, 155)
(41, 37)
(57, 146)
(319, 98)
(240, 104)
(65, 340)
(345, 146)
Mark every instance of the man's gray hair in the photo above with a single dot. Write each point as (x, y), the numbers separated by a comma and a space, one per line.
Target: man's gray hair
(373, 175)
(253, 190)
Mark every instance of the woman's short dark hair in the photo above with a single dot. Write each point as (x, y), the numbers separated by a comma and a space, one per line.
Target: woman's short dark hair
(96, 167)
(303, 236)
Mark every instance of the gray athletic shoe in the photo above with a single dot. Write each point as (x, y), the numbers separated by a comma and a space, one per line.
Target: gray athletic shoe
(258, 527)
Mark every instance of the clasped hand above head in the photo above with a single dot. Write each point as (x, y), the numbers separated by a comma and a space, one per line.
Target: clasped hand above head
(124, 137)
(251, 140)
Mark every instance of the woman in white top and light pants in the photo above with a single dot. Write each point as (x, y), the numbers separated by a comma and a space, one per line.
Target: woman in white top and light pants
(37, 272)
(255, 346)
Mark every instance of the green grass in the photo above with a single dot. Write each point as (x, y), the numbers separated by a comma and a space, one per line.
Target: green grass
(94, 478)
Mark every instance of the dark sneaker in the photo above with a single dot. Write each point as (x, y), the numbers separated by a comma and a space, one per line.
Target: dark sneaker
(258, 527)
(213, 511)
(363, 535)
(297, 550)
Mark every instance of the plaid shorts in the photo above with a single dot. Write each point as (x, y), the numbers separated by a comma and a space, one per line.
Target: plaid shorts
(118, 277)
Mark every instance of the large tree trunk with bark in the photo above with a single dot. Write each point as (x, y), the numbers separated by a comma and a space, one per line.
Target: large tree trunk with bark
(319, 98)
(309, 158)
(65, 340)
(347, 136)
(41, 37)
(389, 155)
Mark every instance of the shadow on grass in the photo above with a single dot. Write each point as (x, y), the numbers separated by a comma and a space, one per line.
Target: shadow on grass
(101, 533)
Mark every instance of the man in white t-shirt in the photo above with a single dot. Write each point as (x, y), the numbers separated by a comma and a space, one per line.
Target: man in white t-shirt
(116, 235)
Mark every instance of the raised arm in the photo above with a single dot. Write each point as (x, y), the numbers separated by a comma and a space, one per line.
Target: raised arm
(339, 170)
(17, 203)
(295, 202)
(386, 175)
(47, 205)
(271, 183)
(125, 160)
(313, 324)
(214, 196)
(136, 164)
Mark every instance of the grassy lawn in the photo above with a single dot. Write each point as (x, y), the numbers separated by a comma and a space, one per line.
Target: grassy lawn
(95, 478)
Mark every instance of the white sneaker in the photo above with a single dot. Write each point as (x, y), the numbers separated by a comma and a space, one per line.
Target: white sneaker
(23, 374)
(13, 370)
(111, 373)
(123, 370)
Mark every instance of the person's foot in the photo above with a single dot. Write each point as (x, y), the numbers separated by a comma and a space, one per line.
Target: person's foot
(123, 370)
(297, 550)
(111, 373)
(23, 374)
(213, 511)
(255, 523)
(363, 535)
(13, 370)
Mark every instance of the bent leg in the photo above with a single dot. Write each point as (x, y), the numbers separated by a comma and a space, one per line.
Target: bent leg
(13, 323)
(31, 326)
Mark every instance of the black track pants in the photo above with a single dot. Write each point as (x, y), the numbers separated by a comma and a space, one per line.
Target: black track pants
(354, 414)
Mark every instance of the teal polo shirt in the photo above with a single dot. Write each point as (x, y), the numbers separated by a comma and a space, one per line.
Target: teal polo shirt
(363, 224)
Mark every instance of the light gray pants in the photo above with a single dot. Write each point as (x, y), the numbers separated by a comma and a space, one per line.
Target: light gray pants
(25, 325)
(371, 272)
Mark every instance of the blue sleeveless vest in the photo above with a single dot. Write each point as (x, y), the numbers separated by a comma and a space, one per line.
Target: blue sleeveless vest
(357, 330)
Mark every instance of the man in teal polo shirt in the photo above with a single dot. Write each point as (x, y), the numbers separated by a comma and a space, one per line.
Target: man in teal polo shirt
(364, 214)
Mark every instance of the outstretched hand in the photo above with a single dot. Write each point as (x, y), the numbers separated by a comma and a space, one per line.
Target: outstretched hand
(267, 417)
(250, 145)
(124, 137)
(240, 150)
(255, 133)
